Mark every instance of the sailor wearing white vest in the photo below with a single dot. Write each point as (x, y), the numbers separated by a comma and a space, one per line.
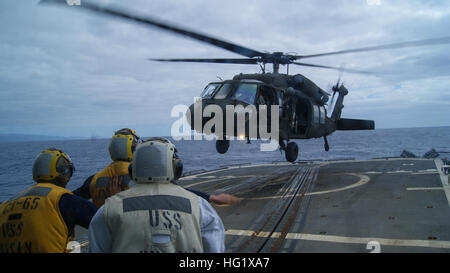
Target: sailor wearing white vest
(155, 215)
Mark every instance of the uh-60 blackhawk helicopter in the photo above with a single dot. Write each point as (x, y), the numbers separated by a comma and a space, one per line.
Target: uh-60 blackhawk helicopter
(304, 111)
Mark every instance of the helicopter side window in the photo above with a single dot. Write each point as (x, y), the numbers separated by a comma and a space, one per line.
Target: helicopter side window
(270, 95)
(209, 90)
(260, 100)
(245, 93)
(316, 114)
(224, 91)
(322, 115)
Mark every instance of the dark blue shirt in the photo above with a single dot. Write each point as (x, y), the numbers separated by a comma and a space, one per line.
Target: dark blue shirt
(84, 191)
(203, 195)
(76, 210)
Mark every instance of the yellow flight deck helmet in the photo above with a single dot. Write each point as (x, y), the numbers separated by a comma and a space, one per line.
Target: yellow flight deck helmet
(122, 144)
(155, 160)
(52, 165)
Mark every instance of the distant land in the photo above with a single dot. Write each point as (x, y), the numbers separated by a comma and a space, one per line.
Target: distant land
(31, 137)
(26, 137)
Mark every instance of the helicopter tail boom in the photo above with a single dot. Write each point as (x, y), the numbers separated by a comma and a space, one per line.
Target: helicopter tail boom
(345, 124)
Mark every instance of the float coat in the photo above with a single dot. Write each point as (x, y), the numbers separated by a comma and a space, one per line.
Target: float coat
(154, 217)
(100, 181)
(32, 223)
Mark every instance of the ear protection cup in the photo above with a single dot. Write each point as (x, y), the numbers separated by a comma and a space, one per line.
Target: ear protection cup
(133, 146)
(64, 170)
(64, 165)
(130, 171)
(177, 168)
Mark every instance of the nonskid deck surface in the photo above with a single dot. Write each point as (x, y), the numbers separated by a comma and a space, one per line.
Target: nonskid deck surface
(391, 205)
(386, 205)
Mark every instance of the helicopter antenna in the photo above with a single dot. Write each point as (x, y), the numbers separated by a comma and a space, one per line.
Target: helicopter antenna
(341, 72)
(263, 68)
(220, 78)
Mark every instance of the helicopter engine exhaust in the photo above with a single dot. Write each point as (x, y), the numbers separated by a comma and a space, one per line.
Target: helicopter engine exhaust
(307, 86)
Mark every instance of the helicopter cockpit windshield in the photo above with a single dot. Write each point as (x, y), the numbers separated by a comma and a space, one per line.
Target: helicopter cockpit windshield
(224, 91)
(245, 92)
(209, 90)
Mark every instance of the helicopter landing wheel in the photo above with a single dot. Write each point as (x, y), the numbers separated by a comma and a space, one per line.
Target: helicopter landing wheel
(222, 146)
(291, 151)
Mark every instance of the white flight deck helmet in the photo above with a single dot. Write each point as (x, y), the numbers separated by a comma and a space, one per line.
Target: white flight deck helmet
(155, 161)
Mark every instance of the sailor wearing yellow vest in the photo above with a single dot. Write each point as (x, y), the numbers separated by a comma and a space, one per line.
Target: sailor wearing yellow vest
(42, 218)
(155, 215)
(121, 147)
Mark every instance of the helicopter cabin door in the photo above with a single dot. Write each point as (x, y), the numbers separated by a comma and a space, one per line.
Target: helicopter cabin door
(267, 95)
(301, 117)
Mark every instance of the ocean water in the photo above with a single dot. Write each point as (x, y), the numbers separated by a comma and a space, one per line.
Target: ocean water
(90, 156)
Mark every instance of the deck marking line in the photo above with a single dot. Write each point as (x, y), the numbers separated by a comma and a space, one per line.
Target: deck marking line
(322, 163)
(424, 188)
(444, 179)
(363, 179)
(346, 240)
(189, 177)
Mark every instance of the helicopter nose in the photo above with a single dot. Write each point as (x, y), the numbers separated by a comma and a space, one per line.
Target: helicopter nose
(196, 109)
(190, 114)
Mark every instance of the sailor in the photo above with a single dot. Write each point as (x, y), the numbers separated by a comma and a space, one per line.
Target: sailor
(42, 218)
(98, 186)
(114, 178)
(156, 215)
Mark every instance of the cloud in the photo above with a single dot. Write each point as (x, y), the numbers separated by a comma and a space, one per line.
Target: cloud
(65, 72)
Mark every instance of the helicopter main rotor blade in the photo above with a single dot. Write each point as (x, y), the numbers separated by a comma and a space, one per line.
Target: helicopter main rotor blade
(435, 41)
(162, 25)
(223, 61)
(335, 68)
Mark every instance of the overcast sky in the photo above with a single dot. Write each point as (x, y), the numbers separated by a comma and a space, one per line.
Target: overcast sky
(69, 73)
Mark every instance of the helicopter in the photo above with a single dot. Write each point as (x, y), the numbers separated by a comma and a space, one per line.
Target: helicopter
(304, 111)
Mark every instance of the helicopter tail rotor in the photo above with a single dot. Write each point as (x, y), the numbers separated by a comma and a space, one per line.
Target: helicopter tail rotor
(335, 88)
